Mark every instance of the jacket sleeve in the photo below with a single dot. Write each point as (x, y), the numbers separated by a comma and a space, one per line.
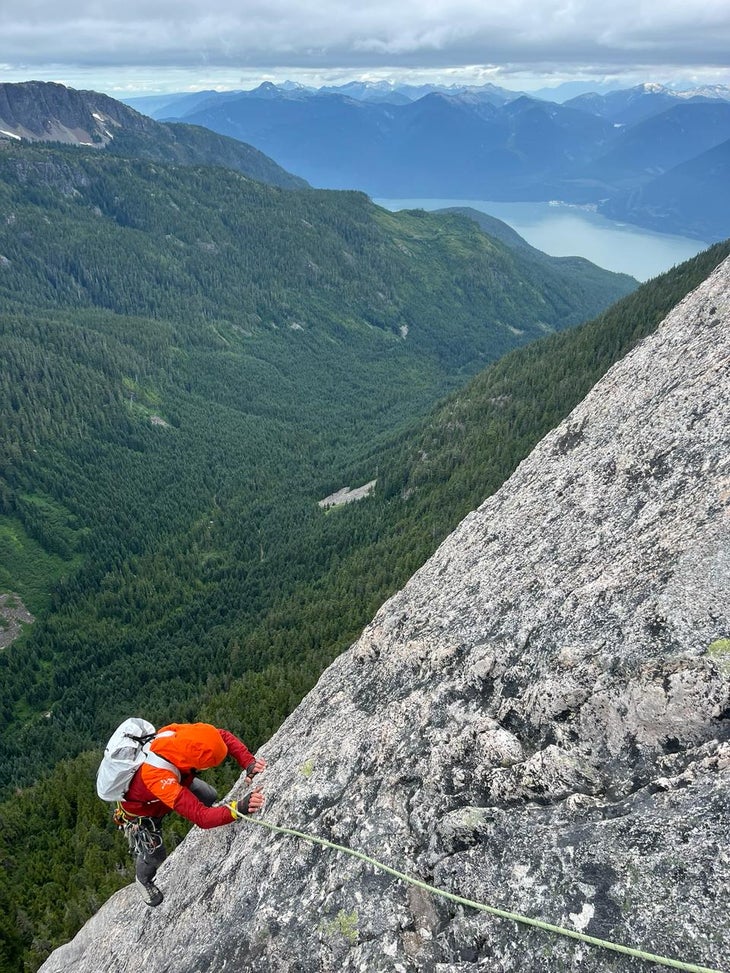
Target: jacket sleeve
(166, 788)
(237, 749)
(187, 805)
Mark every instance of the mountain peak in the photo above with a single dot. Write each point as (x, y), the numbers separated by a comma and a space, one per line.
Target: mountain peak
(538, 721)
(652, 88)
(39, 111)
(43, 111)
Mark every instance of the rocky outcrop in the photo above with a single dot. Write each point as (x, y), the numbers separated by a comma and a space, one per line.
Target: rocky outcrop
(539, 720)
(346, 495)
(14, 616)
(42, 111)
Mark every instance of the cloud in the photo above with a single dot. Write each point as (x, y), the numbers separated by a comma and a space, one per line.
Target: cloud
(321, 33)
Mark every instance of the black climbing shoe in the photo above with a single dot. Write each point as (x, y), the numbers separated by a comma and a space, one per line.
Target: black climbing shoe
(150, 893)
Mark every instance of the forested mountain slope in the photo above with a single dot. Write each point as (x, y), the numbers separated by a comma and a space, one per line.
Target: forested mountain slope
(305, 599)
(203, 244)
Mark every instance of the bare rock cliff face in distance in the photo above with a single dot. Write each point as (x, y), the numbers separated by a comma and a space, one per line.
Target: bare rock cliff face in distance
(43, 111)
(540, 720)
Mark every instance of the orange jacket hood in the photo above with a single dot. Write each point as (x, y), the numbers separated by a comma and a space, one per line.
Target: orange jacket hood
(190, 746)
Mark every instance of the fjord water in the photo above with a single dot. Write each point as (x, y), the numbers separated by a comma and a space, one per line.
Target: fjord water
(562, 230)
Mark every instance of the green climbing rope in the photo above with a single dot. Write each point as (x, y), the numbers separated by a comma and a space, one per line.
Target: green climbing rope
(500, 913)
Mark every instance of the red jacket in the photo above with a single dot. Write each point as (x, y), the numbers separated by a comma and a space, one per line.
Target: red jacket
(155, 791)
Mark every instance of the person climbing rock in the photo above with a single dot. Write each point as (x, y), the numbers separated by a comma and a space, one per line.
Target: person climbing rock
(166, 782)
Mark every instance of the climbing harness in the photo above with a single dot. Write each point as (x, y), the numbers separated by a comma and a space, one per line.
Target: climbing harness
(143, 834)
(500, 913)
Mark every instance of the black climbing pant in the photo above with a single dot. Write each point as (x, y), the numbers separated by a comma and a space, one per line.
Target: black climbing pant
(145, 835)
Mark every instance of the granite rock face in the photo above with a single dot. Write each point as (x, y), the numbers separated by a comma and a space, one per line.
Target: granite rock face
(540, 721)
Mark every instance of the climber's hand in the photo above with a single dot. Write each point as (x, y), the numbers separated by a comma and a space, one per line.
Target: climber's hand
(248, 805)
(256, 800)
(255, 767)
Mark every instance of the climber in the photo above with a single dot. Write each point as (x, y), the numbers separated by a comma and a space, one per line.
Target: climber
(166, 781)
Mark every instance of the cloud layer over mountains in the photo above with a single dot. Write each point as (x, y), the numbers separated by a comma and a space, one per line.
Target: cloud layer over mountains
(327, 32)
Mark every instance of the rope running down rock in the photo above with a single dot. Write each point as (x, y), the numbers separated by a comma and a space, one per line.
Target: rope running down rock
(500, 913)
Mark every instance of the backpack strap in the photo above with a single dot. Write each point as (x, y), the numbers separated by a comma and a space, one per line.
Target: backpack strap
(155, 760)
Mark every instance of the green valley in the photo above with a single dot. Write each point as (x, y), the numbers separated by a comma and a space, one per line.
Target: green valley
(191, 360)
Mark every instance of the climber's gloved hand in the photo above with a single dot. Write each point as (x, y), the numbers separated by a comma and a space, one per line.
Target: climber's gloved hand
(255, 800)
(249, 804)
(256, 766)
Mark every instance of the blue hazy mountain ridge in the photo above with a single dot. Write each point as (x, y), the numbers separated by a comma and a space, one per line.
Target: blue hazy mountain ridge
(398, 94)
(632, 105)
(440, 145)
(377, 91)
(477, 144)
(174, 105)
(658, 144)
(694, 194)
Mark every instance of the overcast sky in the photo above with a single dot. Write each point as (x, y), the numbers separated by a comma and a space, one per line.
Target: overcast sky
(163, 45)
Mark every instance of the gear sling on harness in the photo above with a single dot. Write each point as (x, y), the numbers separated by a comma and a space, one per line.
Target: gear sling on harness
(143, 834)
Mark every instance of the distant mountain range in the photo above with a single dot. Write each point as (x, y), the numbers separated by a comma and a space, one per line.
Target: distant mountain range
(386, 92)
(389, 92)
(609, 150)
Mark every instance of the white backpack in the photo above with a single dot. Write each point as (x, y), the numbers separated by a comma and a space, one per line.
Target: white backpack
(124, 753)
